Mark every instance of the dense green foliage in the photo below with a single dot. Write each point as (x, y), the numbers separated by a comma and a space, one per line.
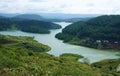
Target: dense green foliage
(23, 56)
(118, 54)
(33, 26)
(69, 56)
(108, 67)
(5, 24)
(101, 32)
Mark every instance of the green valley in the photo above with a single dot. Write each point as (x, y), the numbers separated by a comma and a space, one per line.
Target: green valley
(60, 38)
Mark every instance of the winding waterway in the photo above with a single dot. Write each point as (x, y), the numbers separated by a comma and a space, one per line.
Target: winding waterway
(58, 47)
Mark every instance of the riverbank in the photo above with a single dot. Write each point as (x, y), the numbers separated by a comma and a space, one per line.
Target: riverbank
(58, 47)
(87, 42)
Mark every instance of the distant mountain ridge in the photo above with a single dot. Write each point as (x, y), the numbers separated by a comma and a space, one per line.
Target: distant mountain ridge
(52, 17)
(67, 16)
(29, 16)
(39, 17)
(8, 14)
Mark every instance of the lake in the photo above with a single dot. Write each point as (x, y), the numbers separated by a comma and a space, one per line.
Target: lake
(58, 47)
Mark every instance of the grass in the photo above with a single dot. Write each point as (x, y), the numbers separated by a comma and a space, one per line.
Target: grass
(118, 54)
(23, 56)
(69, 56)
(108, 67)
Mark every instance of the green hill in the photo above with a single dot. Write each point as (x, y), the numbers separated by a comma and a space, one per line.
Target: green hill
(33, 26)
(102, 32)
(23, 56)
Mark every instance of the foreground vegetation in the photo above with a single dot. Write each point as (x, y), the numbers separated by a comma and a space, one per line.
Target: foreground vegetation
(101, 32)
(33, 26)
(109, 67)
(23, 56)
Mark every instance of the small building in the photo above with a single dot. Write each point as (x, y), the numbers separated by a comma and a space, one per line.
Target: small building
(98, 41)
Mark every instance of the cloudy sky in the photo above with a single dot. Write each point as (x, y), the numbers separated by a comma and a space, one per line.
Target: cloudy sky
(61, 6)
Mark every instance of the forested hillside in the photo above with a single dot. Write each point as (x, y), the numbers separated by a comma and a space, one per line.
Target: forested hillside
(33, 26)
(102, 32)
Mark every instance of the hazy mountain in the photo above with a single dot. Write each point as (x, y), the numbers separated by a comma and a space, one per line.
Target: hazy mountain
(29, 16)
(8, 14)
(76, 19)
(66, 16)
(52, 17)
(68, 20)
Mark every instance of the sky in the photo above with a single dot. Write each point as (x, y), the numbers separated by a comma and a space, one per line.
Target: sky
(61, 6)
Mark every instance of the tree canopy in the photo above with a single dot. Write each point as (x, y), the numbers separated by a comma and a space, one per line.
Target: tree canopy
(103, 28)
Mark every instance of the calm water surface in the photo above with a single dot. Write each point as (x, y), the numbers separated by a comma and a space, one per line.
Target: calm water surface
(58, 47)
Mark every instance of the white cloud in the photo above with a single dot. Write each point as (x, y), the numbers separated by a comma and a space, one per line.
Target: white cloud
(61, 6)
